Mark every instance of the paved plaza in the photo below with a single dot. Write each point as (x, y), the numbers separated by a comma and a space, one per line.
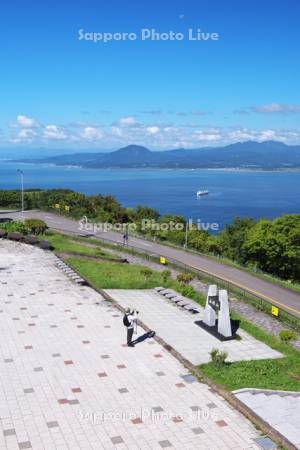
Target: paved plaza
(176, 326)
(279, 408)
(68, 382)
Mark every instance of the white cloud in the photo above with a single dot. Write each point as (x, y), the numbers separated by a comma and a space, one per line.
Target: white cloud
(193, 112)
(155, 134)
(276, 108)
(154, 112)
(116, 131)
(92, 134)
(241, 135)
(26, 122)
(152, 130)
(26, 130)
(241, 111)
(245, 134)
(208, 136)
(198, 112)
(25, 136)
(268, 135)
(54, 132)
(128, 121)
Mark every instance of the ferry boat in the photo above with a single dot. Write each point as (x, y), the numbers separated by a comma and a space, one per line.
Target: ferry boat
(201, 193)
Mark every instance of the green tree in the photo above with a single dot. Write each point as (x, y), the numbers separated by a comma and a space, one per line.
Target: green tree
(232, 239)
(198, 239)
(275, 246)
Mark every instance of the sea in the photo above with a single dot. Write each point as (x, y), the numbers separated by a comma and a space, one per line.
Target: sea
(242, 193)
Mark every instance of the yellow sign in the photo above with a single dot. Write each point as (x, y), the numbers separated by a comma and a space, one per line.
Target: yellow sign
(57, 205)
(67, 208)
(162, 260)
(275, 311)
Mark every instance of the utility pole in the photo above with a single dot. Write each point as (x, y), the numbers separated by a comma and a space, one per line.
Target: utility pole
(186, 234)
(22, 189)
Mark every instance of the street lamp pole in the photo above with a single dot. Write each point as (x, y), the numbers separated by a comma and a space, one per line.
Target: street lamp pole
(22, 189)
(186, 235)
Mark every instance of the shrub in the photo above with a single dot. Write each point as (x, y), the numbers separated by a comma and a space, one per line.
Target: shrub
(35, 226)
(187, 291)
(146, 272)
(287, 336)
(165, 275)
(184, 278)
(99, 252)
(218, 357)
(10, 227)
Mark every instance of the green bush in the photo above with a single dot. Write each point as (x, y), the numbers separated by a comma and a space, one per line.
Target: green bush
(10, 227)
(35, 226)
(166, 275)
(146, 272)
(287, 336)
(184, 278)
(218, 357)
(99, 252)
(187, 291)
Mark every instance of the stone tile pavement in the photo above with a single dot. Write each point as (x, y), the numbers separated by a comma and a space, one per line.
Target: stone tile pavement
(176, 326)
(279, 408)
(68, 382)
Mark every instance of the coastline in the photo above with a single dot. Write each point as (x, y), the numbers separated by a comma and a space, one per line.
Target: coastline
(165, 169)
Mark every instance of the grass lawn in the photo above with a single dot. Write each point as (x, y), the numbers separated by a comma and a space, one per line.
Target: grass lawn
(264, 374)
(282, 374)
(116, 275)
(111, 275)
(63, 243)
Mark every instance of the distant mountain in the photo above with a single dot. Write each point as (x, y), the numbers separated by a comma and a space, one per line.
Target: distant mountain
(252, 155)
(33, 153)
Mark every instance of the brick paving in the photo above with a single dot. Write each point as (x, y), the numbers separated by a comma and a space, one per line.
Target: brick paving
(58, 391)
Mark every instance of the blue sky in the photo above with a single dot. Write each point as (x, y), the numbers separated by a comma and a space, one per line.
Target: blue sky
(61, 92)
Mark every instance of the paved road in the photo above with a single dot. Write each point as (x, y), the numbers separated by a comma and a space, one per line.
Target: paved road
(279, 296)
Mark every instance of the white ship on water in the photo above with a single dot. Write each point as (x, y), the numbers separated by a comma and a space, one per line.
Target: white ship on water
(201, 193)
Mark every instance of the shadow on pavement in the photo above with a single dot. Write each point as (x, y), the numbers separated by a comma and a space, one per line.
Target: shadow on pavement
(145, 336)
